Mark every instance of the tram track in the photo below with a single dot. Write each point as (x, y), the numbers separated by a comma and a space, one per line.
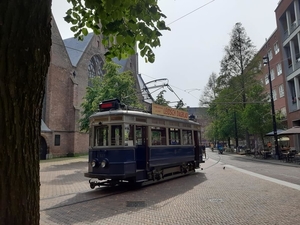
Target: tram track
(215, 163)
(62, 205)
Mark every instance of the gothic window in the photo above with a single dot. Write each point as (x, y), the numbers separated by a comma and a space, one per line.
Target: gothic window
(95, 67)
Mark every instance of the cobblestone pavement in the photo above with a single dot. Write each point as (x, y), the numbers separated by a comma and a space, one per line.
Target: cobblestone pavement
(211, 196)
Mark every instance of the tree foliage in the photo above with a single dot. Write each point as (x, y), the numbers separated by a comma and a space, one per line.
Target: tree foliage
(160, 99)
(112, 85)
(209, 93)
(123, 23)
(241, 105)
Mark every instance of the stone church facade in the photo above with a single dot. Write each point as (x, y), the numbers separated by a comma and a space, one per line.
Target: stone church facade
(72, 63)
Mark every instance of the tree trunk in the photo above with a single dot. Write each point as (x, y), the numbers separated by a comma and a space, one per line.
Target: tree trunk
(25, 42)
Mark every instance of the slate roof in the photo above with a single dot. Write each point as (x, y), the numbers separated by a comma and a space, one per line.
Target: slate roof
(76, 48)
(44, 127)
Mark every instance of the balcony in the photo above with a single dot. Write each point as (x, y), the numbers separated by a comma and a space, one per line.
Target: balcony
(293, 27)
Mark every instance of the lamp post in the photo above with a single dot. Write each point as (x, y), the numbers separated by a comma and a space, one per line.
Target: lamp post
(266, 61)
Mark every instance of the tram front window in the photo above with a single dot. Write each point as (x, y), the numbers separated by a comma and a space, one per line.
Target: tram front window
(101, 136)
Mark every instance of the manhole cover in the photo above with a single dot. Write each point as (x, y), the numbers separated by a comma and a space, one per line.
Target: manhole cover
(216, 200)
(135, 204)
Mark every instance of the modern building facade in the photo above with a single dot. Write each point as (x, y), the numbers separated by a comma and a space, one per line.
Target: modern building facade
(288, 25)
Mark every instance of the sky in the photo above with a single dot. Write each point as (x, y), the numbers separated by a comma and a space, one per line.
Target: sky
(193, 49)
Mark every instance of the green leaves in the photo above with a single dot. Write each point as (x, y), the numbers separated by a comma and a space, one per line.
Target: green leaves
(125, 21)
(112, 85)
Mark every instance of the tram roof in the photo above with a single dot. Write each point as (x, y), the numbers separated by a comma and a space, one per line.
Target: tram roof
(138, 113)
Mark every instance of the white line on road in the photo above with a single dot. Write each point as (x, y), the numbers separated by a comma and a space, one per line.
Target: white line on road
(281, 182)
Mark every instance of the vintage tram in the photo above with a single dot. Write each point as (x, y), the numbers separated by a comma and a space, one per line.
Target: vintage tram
(134, 147)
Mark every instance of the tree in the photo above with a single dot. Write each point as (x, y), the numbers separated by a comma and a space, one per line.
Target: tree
(179, 104)
(209, 93)
(160, 99)
(239, 61)
(112, 85)
(25, 43)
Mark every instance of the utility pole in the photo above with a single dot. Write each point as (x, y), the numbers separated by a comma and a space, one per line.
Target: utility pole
(266, 61)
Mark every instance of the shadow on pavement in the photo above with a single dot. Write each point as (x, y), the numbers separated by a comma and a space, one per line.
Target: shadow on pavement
(65, 166)
(103, 203)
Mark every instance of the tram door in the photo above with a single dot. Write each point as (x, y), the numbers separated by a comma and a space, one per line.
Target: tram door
(198, 152)
(141, 151)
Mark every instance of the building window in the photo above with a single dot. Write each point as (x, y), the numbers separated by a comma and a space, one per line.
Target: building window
(283, 112)
(57, 140)
(266, 79)
(274, 95)
(95, 67)
(270, 54)
(276, 48)
(281, 91)
(279, 69)
(259, 66)
(272, 74)
(262, 81)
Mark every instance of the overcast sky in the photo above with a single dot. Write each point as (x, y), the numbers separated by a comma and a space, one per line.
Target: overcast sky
(193, 49)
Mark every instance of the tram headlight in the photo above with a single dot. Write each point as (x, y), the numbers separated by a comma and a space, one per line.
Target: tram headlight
(104, 163)
(95, 163)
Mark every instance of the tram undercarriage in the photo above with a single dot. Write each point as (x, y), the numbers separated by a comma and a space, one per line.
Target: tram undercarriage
(143, 177)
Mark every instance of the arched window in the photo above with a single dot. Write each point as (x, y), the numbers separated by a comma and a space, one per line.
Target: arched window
(95, 67)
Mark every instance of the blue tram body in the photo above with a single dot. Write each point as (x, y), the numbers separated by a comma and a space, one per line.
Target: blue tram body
(137, 147)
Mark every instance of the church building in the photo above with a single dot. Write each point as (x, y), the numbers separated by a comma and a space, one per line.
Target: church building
(72, 64)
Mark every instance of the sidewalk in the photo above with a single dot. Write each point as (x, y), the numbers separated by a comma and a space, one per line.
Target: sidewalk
(268, 160)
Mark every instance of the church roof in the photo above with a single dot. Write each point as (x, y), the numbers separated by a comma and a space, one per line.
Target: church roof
(44, 127)
(121, 62)
(76, 48)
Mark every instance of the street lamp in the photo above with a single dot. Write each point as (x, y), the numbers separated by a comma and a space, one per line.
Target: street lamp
(266, 61)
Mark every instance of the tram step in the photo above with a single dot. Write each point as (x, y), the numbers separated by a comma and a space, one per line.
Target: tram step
(141, 175)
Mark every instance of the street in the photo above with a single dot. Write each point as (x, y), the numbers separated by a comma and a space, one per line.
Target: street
(246, 191)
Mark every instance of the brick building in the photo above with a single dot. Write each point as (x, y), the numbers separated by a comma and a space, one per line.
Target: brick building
(272, 49)
(72, 63)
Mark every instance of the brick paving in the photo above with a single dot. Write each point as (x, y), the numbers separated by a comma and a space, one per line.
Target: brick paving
(211, 196)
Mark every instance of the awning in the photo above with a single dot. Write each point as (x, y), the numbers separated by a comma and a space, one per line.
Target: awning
(44, 127)
(279, 131)
(293, 130)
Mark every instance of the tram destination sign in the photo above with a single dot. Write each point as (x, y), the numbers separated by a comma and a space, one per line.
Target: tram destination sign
(167, 111)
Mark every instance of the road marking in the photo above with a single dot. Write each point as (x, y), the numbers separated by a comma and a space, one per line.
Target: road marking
(281, 182)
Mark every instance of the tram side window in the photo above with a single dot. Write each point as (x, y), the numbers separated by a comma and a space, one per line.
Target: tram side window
(129, 134)
(116, 135)
(101, 136)
(174, 136)
(187, 137)
(158, 135)
(140, 135)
